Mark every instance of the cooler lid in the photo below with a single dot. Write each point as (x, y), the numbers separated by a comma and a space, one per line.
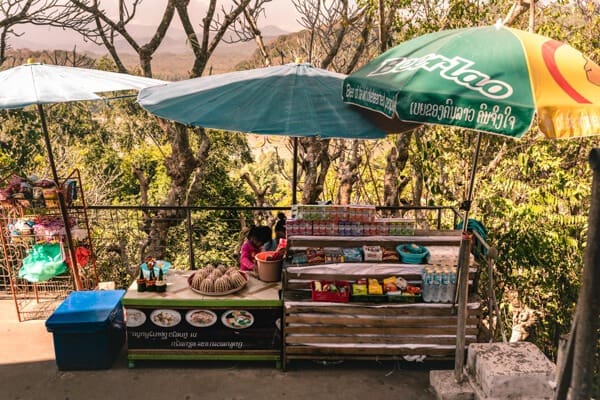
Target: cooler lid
(85, 310)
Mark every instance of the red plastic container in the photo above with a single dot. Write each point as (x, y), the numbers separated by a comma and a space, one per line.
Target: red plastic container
(340, 296)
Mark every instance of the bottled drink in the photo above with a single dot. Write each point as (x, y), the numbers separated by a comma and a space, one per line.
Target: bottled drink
(426, 284)
(452, 285)
(435, 286)
(444, 287)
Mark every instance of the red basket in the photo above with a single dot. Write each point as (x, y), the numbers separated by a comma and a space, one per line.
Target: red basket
(334, 297)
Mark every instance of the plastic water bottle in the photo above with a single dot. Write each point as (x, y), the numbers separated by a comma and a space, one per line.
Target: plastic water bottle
(452, 286)
(426, 284)
(444, 286)
(435, 286)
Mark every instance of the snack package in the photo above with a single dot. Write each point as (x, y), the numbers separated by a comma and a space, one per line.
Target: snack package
(389, 284)
(352, 255)
(334, 255)
(299, 258)
(372, 253)
(315, 255)
(401, 283)
(390, 255)
(359, 289)
(375, 287)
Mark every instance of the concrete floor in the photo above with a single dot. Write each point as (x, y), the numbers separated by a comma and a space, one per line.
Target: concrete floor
(28, 372)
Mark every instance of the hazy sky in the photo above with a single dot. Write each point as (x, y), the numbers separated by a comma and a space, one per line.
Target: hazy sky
(280, 13)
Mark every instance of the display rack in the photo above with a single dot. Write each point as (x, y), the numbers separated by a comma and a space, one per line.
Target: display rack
(37, 300)
(368, 329)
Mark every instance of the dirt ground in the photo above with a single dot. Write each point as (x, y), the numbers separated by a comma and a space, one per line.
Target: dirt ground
(28, 372)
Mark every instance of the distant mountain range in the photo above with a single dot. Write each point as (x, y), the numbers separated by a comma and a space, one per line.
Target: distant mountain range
(171, 61)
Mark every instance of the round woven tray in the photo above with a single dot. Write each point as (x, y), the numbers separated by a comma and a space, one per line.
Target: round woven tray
(191, 278)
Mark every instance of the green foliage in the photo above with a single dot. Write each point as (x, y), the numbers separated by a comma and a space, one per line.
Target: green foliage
(20, 146)
(535, 206)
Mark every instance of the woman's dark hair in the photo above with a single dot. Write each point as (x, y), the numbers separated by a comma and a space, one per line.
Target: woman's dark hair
(261, 233)
(280, 224)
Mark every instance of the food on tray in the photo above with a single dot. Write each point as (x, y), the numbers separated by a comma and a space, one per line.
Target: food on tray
(217, 281)
(237, 319)
(222, 284)
(413, 290)
(165, 318)
(389, 284)
(222, 268)
(134, 317)
(201, 318)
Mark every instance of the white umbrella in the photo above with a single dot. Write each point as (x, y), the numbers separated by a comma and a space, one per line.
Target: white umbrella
(39, 84)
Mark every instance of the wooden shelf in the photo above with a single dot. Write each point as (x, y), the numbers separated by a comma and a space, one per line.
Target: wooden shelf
(362, 330)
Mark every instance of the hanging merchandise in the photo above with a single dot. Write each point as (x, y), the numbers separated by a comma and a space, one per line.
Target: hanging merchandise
(44, 262)
(82, 255)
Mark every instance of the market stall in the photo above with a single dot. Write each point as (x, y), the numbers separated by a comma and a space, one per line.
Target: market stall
(183, 324)
(350, 291)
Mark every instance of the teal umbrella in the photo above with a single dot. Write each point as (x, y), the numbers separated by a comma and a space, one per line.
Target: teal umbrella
(292, 100)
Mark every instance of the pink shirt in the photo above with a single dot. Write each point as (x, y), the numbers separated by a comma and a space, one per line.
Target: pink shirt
(247, 253)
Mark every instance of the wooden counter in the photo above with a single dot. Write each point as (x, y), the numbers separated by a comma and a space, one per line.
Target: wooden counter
(181, 324)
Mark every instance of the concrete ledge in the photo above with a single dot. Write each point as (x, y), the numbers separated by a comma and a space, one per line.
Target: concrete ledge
(446, 388)
(510, 371)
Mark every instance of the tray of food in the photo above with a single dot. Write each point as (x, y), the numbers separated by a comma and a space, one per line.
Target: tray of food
(217, 281)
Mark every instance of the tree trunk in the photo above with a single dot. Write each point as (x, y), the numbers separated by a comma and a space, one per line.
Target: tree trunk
(349, 174)
(397, 159)
(315, 165)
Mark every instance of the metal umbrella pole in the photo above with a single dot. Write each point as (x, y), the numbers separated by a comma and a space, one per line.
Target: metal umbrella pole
(295, 172)
(61, 201)
(462, 287)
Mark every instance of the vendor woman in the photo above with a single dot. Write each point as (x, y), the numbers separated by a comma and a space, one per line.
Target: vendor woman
(256, 238)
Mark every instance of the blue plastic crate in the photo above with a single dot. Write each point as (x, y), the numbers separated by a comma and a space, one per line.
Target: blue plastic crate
(88, 329)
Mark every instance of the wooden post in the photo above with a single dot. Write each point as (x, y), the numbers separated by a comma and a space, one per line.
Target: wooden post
(588, 302)
(463, 294)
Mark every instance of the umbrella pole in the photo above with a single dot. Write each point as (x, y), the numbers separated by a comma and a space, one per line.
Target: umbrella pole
(295, 172)
(462, 287)
(61, 201)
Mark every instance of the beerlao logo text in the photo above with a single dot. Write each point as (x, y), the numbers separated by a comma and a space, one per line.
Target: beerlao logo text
(456, 69)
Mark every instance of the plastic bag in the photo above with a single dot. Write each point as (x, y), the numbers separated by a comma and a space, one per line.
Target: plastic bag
(44, 262)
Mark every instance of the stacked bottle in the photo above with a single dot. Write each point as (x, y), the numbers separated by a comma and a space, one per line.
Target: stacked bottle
(438, 284)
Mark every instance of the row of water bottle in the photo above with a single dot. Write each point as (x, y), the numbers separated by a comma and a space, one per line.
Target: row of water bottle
(438, 284)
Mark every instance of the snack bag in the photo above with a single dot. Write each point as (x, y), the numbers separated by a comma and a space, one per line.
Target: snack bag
(375, 287)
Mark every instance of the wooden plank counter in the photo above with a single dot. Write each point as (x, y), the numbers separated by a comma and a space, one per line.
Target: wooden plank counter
(181, 324)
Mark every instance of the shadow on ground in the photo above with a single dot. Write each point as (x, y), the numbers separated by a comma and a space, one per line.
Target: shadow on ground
(191, 380)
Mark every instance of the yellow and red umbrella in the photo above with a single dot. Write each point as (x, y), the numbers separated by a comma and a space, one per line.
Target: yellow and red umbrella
(490, 79)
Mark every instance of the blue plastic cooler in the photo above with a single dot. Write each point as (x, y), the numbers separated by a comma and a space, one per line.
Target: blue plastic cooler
(88, 329)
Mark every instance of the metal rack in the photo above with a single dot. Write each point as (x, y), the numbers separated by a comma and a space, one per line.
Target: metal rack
(37, 300)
